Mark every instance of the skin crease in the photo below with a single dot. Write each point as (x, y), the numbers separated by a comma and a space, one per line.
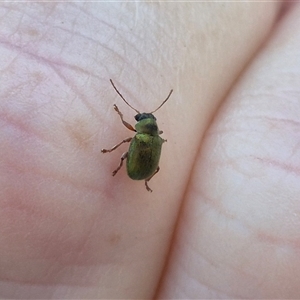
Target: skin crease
(223, 219)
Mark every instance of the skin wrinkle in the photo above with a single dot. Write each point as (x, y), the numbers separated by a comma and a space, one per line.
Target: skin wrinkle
(52, 174)
(57, 269)
(88, 238)
(185, 268)
(192, 247)
(276, 164)
(58, 266)
(40, 136)
(139, 54)
(21, 127)
(276, 120)
(123, 57)
(52, 65)
(80, 95)
(205, 283)
(229, 217)
(46, 62)
(224, 211)
(276, 127)
(22, 14)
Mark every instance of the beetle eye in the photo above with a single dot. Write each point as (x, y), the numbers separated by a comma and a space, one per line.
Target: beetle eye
(137, 117)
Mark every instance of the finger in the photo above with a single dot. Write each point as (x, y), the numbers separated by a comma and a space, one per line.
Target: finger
(238, 236)
(201, 74)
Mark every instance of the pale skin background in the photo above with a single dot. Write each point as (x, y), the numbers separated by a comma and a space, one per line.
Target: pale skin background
(223, 220)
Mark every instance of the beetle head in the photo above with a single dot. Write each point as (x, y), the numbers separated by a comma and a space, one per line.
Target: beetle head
(143, 116)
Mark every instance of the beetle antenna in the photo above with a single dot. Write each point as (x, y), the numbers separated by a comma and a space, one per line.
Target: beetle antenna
(163, 102)
(122, 96)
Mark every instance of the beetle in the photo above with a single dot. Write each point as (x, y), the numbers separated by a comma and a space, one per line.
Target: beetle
(142, 157)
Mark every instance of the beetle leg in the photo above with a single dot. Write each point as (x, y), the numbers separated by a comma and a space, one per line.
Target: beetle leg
(124, 156)
(121, 116)
(148, 179)
(116, 146)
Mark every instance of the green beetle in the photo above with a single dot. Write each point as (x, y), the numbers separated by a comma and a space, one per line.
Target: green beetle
(145, 147)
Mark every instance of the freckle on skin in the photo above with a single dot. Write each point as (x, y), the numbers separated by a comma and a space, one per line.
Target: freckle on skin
(79, 133)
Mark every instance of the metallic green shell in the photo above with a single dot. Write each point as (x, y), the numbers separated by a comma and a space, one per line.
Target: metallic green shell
(143, 155)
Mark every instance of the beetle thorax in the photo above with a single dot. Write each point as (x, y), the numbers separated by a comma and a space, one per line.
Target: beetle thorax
(146, 123)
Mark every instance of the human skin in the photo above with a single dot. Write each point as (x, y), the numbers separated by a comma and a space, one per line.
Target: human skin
(223, 220)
